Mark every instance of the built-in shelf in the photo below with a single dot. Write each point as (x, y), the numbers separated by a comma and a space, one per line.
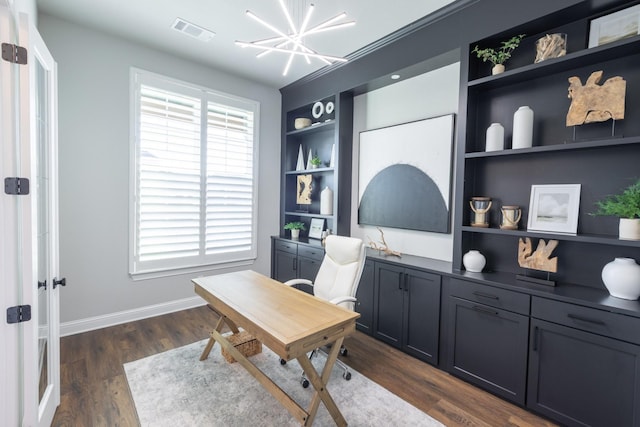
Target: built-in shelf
(307, 171)
(583, 238)
(568, 62)
(578, 145)
(313, 128)
(308, 214)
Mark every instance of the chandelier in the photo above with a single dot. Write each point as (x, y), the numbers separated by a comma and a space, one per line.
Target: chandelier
(292, 43)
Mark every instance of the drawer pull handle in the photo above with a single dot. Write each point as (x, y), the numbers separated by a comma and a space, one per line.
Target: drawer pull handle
(483, 295)
(485, 310)
(585, 319)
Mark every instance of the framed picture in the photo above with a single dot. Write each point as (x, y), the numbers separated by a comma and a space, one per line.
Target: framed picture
(554, 208)
(615, 26)
(404, 175)
(316, 228)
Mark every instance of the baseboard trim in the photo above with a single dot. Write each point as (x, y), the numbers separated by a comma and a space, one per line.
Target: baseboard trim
(112, 319)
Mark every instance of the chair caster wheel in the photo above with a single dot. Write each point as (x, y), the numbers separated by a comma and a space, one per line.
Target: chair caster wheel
(343, 352)
(346, 376)
(283, 362)
(305, 383)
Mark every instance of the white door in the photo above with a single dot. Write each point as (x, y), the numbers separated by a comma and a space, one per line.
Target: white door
(46, 280)
(29, 362)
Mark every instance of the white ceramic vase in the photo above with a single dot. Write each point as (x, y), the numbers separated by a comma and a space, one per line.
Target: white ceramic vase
(295, 234)
(495, 137)
(326, 201)
(622, 278)
(497, 69)
(474, 261)
(629, 229)
(522, 128)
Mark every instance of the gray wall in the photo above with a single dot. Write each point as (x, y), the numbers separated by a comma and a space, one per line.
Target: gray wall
(428, 95)
(94, 110)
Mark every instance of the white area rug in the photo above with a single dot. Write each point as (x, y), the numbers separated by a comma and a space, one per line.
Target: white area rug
(175, 389)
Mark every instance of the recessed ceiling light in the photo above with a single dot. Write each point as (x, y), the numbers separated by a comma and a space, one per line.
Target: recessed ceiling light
(192, 30)
(395, 76)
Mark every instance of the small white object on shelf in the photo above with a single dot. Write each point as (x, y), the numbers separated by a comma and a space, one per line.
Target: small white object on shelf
(622, 278)
(300, 163)
(332, 162)
(309, 159)
(474, 261)
(495, 137)
(317, 110)
(326, 201)
(522, 128)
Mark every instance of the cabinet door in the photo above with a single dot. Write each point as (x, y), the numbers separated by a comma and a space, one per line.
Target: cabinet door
(580, 378)
(285, 266)
(307, 269)
(389, 295)
(421, 315)
(488, 347)
(364, 296)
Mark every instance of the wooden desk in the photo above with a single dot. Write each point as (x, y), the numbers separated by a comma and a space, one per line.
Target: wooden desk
(288, 321)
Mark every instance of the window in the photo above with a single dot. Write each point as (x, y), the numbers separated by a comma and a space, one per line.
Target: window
(194, 169)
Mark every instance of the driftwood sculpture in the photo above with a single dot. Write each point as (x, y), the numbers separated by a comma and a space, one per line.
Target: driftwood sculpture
(540, 259)
(593, 102)
(384, 248)
(303, 196)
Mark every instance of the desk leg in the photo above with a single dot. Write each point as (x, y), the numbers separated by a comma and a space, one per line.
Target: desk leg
(221, 321)
(320, 383)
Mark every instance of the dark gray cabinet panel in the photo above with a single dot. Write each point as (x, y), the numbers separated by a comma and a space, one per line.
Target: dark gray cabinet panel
(389, 297)
(580, 378)
(364, 295)
(488, 347)
(407, 310)
(293, 260)
(285, 265)
(422, 315)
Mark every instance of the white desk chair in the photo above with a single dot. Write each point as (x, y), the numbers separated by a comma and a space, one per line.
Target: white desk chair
(337, 280)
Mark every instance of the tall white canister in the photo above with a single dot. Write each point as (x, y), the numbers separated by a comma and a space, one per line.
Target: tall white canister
(495, 137)
(326, 201)
(522, 128)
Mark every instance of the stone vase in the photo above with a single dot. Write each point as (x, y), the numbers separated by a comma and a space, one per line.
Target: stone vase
(522, 128)
(622, 278)
(495, 137)
(474, 261)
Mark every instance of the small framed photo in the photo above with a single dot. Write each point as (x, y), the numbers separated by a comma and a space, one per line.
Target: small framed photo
(615, 26)
(554, 208)
(316, 228)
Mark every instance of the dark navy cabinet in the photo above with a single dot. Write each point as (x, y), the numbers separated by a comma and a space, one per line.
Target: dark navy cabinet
(488, 338)
(295, 260)
(364, 296)
(407, 309)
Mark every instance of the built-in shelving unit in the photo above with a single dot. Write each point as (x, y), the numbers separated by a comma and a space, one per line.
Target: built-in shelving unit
(602, 157)
(329, 131)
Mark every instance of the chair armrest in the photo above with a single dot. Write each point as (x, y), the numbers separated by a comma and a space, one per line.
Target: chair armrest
(340, 300)
(294, 282)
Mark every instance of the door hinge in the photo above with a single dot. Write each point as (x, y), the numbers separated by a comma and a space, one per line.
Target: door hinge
(18, 314)
(14, 53)
(17, 186)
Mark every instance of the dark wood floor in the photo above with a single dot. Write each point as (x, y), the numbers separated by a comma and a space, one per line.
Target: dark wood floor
(94, 390)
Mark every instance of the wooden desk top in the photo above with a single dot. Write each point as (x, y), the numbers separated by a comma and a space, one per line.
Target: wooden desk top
(288, 321)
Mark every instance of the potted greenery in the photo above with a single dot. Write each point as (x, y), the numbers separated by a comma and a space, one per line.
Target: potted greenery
(315, 161)
(625, 206)
(295, 227)
(500, 55)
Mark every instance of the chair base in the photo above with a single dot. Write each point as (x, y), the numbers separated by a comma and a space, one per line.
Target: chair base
(345, 374)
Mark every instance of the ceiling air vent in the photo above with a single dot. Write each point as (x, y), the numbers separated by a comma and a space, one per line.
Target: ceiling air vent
(192, 30)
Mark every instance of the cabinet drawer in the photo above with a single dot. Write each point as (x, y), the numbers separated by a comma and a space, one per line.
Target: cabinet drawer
(588, 319)
(488, 295)
(311, 252)
(283, 245)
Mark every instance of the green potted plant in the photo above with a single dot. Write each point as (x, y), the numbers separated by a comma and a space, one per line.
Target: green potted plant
(500, 55)
(295, 227)
(625, 206)
(315, 161)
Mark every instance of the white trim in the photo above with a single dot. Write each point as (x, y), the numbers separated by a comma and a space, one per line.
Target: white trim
(112, 319)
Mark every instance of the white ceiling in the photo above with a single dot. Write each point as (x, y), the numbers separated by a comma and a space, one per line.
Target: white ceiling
(149, 22)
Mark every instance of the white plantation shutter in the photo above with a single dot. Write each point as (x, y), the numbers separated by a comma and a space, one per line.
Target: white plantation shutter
(193, 190)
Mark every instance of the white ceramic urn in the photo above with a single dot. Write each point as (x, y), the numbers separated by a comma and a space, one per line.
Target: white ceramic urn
(326, 201)
(474, 261)
(622, 278)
